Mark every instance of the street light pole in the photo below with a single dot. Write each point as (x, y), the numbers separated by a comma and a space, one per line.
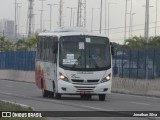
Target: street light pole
(146, 34)
(109, 15)
(130, 20)
(100, 28)
(132, 24)
(71, 8)
(41, 19)
(156, 19)
(15, 19)
(50, 5)
(18, 25)
(125, 22)
(92, 19)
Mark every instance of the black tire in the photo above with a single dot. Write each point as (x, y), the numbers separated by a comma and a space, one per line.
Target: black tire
(82, 96)
(51, 94)
(57, 96)
(87, 97)
(45, 93)
(102, 97)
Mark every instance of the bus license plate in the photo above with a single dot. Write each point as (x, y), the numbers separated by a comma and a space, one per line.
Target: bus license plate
(84, 92)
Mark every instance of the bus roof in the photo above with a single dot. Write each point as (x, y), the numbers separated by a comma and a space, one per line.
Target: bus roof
(70, 31)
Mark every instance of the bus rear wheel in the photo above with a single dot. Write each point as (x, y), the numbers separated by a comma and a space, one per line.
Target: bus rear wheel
(57, 96)
(45, 93)
(102, 97)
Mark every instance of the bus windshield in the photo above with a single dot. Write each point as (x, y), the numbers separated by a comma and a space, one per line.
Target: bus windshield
(84, 53)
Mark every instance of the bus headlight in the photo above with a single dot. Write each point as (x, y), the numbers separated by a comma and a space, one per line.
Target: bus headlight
(106, 78)
(62, 77)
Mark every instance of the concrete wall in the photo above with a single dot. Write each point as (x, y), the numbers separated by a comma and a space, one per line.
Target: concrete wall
(121, 85)
(26, 76)
(136, 86)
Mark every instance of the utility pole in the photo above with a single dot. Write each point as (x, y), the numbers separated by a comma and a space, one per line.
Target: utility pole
(132, 23)
(50, 5)
(146, 34)
(81, 13)
(15, 19)
(41, 18)
(92, 18)
(125, 22)
(71, 8)
(18, 19)
(105, 17)
(30, 18)
(100, 27)
(130, 20)
(109, 15)
(60, 12)
(156, 18)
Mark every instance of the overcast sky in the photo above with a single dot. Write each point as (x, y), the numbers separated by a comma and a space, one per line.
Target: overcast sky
(117, 15)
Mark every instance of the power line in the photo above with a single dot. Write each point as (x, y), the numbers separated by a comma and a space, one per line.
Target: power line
(134, 30)
(126, 26)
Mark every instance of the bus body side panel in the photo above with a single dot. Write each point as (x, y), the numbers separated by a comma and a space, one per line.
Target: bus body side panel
(39, 73)
(49, 75)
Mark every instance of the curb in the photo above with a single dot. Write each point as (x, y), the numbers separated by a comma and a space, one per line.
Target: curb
(18, 81)
(14, 103)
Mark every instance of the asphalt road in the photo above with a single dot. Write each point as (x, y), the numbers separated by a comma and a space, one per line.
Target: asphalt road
(29, 94)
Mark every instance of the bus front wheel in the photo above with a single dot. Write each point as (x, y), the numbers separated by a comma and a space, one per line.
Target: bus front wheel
(102, 97)
(57, 96)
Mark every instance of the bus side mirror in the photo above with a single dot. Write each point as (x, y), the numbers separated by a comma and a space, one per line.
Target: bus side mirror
(112, 49)
(55, 51)
(55, 47)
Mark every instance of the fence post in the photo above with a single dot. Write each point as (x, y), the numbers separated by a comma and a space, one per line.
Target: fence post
(145, 62)
(122, 62)
(115, 68)
(137, 62)
(129, 74)
(154, 53)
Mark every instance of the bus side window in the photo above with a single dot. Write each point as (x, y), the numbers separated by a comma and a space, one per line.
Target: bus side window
(55, 49)
(40, 48)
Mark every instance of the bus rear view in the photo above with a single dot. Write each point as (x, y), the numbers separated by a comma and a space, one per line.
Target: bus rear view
(82, 66)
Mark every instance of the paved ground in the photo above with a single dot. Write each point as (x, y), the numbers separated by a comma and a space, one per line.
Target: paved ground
(26, 93)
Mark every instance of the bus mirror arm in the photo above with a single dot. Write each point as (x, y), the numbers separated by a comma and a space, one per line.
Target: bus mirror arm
(112, 49)
(55, 58)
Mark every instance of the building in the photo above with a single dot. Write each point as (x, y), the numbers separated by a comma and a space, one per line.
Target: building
(7, 28)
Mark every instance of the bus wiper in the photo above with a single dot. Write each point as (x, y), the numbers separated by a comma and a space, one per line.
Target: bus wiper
(94, 62)
(74, 65)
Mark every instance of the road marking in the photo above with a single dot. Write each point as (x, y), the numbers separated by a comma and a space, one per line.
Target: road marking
(151, 97)
(139, 103)
(58, 102)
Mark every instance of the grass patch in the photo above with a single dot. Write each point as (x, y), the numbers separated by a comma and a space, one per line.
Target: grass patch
(6, 106)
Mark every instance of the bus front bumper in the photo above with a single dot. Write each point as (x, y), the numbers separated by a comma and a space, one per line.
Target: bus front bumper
(77, 89)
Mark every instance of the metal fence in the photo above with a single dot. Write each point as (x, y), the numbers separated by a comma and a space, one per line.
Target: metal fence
(128, 64)
(17, 60)
(137, 64)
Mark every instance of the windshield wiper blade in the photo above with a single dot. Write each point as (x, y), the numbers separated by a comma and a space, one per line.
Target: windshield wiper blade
(94, 62)
(74, 65)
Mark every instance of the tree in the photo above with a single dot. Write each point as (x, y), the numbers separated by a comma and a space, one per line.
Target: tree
(5, 45)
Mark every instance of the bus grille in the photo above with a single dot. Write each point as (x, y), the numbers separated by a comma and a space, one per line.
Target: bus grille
(85, 82)
(85, 88)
